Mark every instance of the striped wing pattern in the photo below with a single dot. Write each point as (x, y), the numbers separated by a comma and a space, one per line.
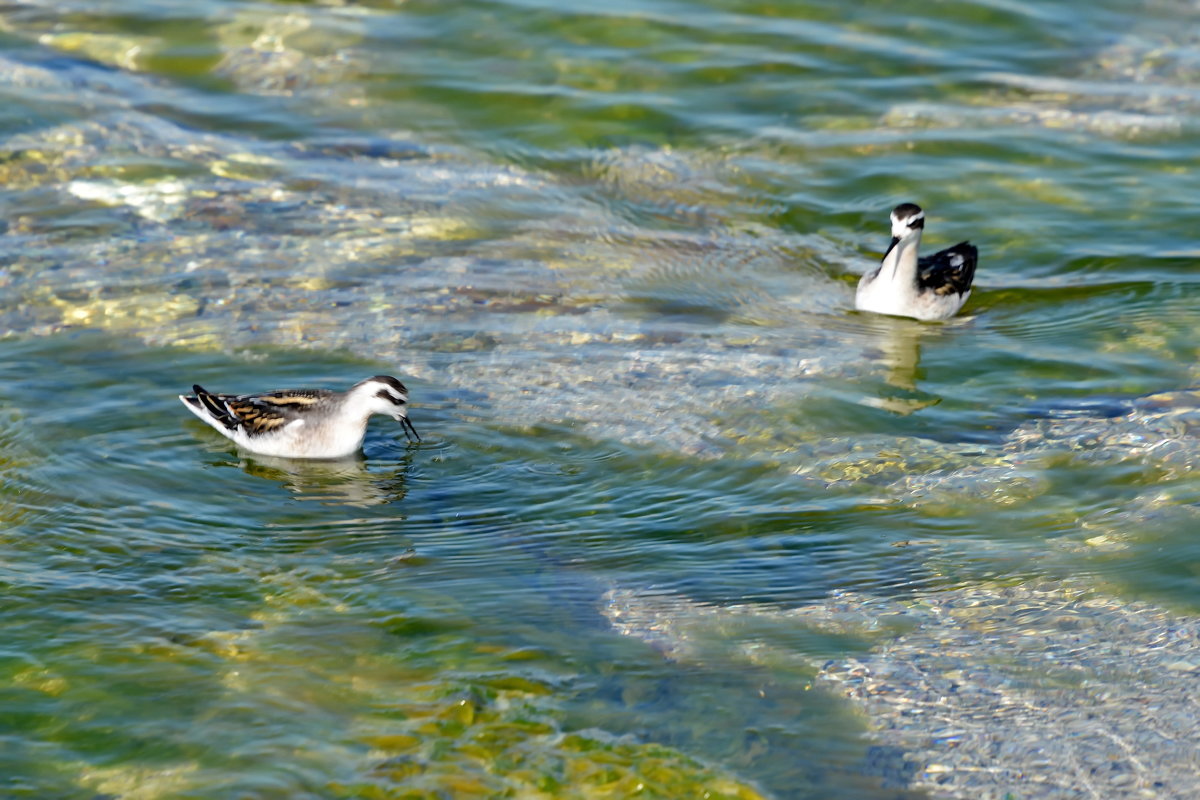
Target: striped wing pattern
(257, 414)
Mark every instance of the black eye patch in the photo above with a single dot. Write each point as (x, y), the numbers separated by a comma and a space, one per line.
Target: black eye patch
(384, 394)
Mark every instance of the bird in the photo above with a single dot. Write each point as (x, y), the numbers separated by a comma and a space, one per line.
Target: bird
(302, 423)
(931, 288)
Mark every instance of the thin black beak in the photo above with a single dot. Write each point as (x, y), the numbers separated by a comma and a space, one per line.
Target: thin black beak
(407, 425)
(892, 246)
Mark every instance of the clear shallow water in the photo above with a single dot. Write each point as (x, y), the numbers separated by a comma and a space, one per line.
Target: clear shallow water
(612, 253)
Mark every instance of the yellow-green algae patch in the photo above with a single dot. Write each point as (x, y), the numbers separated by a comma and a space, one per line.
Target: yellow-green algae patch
(122, 50)
(128, 312)
(321, 690)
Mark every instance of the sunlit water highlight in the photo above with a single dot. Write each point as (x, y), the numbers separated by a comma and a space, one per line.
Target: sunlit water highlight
(612, 253)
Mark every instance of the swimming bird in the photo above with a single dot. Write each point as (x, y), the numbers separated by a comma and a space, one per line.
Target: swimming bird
(930, 288)
(302, 423)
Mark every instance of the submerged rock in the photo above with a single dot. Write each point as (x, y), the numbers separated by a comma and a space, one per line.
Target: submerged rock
(1042, 691)
(284, 53)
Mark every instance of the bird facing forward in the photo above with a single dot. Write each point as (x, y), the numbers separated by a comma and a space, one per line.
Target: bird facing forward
(930, 288)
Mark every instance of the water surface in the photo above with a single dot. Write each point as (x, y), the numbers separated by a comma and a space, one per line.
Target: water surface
(612, 253)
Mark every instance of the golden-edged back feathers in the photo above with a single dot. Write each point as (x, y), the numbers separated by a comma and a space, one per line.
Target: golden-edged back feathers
(257, 414)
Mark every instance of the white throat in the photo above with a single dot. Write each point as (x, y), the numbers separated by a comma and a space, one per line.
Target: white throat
(899, 266)
(361, 403)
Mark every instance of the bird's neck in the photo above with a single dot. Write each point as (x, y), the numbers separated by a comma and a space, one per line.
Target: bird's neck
(360, 405)
(900, 263)
(347, 429)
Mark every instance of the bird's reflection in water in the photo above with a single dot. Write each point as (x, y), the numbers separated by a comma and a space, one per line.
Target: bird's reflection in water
(346, 481)
(898, 348)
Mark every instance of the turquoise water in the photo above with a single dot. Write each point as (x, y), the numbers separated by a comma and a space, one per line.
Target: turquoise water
(612, 254)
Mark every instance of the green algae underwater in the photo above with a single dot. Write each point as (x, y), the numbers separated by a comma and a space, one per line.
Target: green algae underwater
(612, 254)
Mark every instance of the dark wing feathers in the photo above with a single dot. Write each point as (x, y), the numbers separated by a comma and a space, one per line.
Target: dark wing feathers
(949, 271)
(257, 414)
(214, 406)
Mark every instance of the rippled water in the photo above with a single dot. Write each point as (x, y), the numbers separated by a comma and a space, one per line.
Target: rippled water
(612, 252)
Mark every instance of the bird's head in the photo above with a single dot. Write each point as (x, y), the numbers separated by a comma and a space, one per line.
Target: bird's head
(907, 220)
